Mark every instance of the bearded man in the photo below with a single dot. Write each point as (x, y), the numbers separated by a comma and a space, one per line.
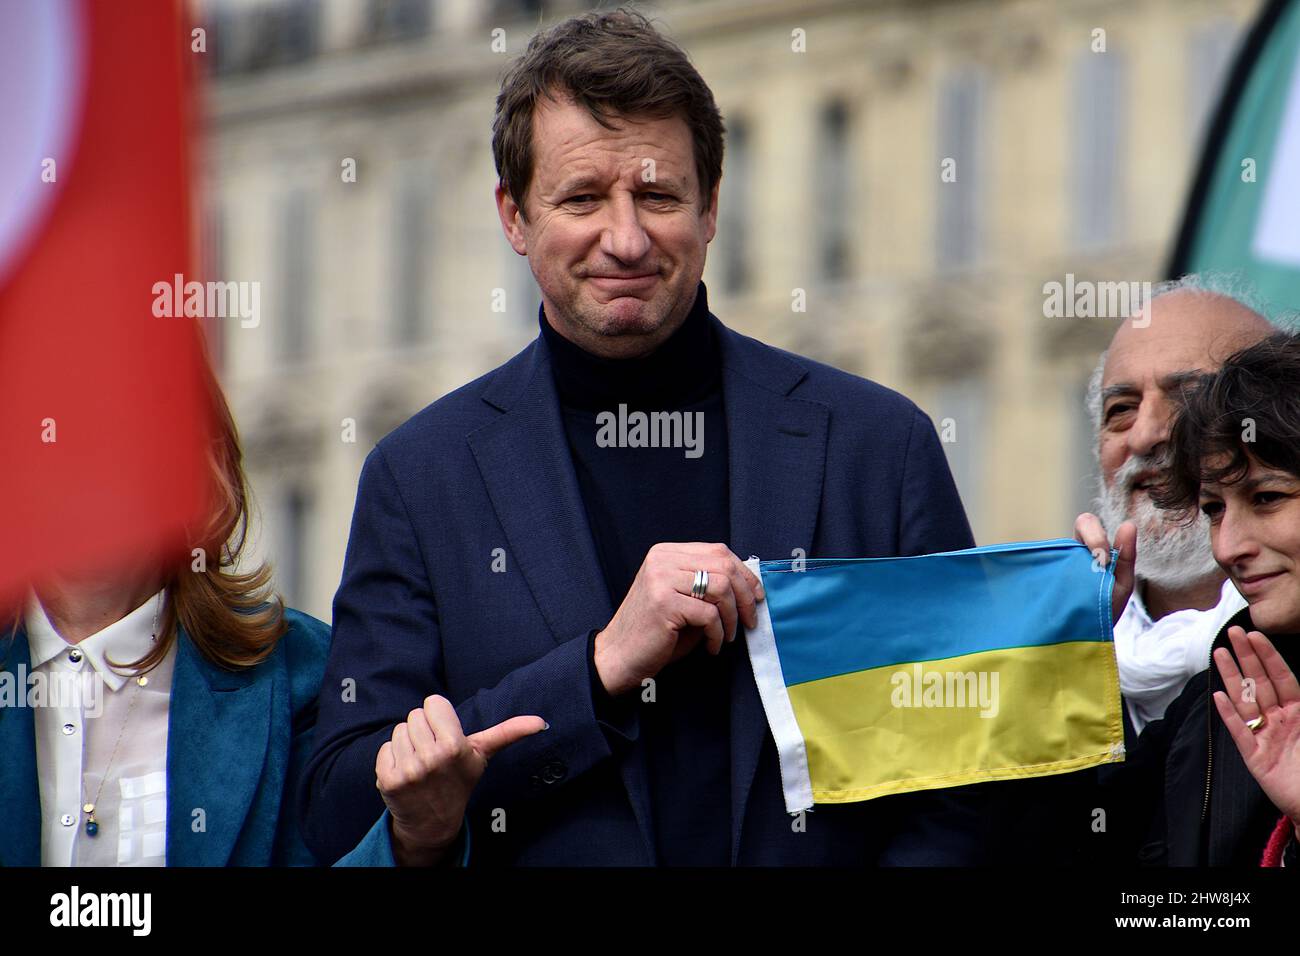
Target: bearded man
(1181, 598)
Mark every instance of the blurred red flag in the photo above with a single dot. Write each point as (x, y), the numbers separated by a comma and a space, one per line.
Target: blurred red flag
(104, 415)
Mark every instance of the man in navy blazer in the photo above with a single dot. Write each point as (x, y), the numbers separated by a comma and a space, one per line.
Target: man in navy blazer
(531, 544)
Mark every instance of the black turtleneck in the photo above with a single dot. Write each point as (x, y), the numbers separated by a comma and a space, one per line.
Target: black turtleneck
(636, 497)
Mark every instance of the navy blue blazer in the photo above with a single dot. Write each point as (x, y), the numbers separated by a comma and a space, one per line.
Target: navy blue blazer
(819, 459)
(236, 746)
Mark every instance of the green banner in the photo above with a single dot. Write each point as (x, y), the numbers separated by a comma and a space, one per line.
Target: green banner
(1243, 214)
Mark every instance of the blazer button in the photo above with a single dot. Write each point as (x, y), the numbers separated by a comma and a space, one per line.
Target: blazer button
(554, 772)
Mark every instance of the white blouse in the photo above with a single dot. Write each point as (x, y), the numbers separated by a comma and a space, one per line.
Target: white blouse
(99, 726)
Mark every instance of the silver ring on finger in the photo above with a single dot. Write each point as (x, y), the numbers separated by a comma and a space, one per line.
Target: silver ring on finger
(701, 585)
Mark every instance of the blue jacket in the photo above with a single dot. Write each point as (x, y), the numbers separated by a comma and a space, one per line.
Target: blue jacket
(236, 746)
(819, 460)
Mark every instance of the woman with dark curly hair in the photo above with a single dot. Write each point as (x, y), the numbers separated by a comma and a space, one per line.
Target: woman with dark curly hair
(1220, 774)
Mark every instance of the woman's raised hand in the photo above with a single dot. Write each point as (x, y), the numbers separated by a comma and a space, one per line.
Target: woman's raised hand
(1265, 695)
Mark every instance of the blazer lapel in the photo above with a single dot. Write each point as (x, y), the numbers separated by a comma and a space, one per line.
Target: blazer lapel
(776, 452)
(525, 462)
(524, 459)
(20, 796)
(217, 736)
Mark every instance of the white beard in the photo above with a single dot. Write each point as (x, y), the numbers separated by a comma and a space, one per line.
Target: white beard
(1170, 553)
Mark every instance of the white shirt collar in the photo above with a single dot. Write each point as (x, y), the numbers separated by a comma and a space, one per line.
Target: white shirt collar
(1229, 603)
(1137, 608)
(123, 642)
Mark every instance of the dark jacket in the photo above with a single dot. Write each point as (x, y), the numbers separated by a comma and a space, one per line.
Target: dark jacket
(1194, 803)
(819, 460)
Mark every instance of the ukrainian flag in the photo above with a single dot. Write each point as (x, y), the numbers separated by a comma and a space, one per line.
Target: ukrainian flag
(888, 675)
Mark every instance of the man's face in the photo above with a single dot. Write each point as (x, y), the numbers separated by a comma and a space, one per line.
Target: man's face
(1145, 367)
(615, 234)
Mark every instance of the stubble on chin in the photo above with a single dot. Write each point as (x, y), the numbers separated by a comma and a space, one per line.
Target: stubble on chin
(616, 320)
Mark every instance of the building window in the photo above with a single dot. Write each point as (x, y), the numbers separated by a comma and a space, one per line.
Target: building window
(735, 203)
(291, 567)
(1096, 181)
(1210, 49)
(262, 35)
(411, 257)
(395, 20)
(963, 117)
(833, 192)
(1082, 457)
(295, 292)
(527, 9)
(961, 410)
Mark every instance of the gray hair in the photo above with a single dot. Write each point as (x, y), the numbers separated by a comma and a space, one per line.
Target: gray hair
(1227, 285)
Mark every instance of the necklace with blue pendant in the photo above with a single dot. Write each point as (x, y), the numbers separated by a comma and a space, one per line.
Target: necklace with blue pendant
(92, 825)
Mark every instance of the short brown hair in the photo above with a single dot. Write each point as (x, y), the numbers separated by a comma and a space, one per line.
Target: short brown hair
(613, 63)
